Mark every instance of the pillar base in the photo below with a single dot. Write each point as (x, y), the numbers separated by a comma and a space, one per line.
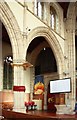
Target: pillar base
(23, 110)
(45, 107)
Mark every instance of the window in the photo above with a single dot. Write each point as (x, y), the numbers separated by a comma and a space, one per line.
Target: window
(52, 21)
(53, 18)
(35, 7)
(8, 73)
(38, 8)
(48, 13)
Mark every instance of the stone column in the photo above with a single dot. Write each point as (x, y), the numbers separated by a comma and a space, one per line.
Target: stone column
(19, 85)
(19, 97)
(45, 99)
(18, 88)
(70, 39)
(32, 83)
(46, 82)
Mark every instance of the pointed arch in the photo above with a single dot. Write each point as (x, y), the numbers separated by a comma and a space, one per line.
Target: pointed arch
(53, 42)
(11, 25)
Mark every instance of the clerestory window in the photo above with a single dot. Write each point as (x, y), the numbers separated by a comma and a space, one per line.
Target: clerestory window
(39, 9)
(48, 14)
(53, 19)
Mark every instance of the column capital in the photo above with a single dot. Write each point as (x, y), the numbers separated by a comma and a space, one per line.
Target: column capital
(23, 64)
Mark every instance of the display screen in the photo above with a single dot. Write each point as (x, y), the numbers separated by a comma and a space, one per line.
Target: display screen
(60, 85)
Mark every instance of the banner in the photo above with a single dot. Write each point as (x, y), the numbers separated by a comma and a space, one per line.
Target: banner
(39, 84)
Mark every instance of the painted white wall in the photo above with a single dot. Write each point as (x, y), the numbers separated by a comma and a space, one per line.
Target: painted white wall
(17, 10)
(32, 21)
(30, 5)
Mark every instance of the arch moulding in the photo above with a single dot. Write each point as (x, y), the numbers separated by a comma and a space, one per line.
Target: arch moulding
(53, 42)
(11, 25)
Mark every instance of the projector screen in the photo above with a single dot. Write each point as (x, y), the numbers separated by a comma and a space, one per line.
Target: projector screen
(60, 85)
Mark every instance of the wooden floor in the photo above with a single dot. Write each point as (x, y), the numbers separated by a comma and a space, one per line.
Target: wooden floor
(37, 115)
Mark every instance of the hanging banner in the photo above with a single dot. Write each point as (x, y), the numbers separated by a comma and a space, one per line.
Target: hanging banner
(39, 84)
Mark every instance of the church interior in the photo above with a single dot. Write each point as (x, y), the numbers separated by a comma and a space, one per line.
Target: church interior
(38, 48)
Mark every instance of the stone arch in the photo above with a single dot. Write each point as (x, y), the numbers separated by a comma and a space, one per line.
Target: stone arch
(11, 25)
(70, 32)
(40, 47)
(53, 42)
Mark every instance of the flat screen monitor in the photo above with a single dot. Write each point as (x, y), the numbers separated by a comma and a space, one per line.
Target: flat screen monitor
(60, 85)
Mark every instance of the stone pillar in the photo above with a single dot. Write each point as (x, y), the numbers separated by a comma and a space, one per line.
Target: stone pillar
(18, 88)
(32, 83)
(45, 99)
(70, 39)
(19, 85)
(45, 96)
(19, 97)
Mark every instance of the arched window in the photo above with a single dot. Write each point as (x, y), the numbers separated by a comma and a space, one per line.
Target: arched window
(53, 19)
(39, 9)
(48, 13)
(8, 73)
